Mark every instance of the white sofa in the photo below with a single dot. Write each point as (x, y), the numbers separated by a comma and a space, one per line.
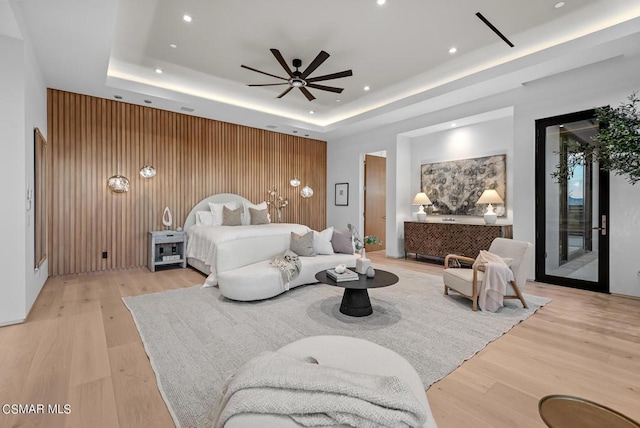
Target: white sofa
(260, 280)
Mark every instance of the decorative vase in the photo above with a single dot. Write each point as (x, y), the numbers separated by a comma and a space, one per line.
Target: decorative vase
(363, 263)
(371, 272)
(167, 218)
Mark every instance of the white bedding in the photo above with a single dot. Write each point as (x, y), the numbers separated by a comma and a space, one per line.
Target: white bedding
(223, 248)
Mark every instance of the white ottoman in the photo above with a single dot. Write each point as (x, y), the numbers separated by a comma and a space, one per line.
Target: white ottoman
(347, 353)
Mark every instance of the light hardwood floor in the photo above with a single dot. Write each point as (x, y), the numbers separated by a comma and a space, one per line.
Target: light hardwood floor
(81, 347)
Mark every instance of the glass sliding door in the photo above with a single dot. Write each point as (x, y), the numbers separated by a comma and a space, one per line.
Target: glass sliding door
(571, 215)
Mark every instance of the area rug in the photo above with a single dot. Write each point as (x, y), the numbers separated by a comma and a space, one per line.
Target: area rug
(196, 339)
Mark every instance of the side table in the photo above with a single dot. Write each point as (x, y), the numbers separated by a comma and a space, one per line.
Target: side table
(167, 247)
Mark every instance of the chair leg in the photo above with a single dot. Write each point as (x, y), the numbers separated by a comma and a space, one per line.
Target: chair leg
(519, 294)
(474, 306)
(446, 290)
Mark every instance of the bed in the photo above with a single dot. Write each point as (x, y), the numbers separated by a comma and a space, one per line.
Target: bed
(215, 249)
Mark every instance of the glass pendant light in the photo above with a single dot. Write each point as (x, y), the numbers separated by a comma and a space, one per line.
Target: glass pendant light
(118, 183)
(295, 182)
(147, 171)
(306, 192)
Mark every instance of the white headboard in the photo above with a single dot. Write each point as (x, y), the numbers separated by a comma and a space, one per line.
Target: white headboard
(203, 205)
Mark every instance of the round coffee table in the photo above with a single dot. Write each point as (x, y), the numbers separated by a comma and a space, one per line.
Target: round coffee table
(355, 300)
(559, 411)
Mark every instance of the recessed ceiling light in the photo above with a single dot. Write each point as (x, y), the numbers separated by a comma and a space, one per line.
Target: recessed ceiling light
(173, 45)
(159, 70)
(381, 2)
(295, 132)
(453, 50)
(312, 112)
(559, 5)
(147, 101)
(366, 88)
(338, 101)
(306, 135)
(453, 125)
(117, 97)
(187, 18)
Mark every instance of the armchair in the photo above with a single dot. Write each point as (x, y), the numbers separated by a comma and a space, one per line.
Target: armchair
(467, 282)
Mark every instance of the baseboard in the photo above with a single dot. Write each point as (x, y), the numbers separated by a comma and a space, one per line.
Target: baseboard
(7, 323)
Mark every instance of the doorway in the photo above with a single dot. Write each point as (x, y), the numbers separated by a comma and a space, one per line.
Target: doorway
(572, 240)
(375, 199)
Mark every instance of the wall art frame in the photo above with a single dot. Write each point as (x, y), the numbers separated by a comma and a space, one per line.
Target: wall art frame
(342, 194)
(454, 187)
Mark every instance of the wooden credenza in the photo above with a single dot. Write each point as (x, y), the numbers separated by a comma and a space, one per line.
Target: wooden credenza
(439, 239)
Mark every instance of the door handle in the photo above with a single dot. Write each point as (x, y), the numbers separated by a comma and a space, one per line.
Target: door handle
(603, 229)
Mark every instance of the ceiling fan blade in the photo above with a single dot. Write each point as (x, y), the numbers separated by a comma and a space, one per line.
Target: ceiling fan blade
(346, 73)
(322, 57)
(306, 93)
(263, 72)
(282, 62)
(285, 92)
(271, 84)
(325, 88)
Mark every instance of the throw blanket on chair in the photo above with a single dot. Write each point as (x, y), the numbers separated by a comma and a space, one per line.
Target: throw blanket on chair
(494, 285)
(313, 394)
(289, 266)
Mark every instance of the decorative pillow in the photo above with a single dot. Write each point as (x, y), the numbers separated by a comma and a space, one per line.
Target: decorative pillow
(302, 245)
(247, 215)
(204, 218)
(216, 211)
(231, 217)
(258, 216)
(342, 241)
(322, 241)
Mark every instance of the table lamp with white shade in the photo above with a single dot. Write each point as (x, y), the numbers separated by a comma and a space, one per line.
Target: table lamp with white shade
(490, 196)
(421, 199)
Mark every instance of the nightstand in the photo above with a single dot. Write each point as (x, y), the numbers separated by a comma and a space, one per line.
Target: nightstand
(167, 247)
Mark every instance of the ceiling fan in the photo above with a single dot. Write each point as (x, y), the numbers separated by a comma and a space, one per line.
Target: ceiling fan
(300, 79)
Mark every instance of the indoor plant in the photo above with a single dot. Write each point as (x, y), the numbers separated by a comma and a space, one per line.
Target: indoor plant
(616, 146)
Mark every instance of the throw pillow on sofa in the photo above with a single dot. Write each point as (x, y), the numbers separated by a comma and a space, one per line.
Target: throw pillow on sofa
(342, 241)
(302, 245)
(322, 241)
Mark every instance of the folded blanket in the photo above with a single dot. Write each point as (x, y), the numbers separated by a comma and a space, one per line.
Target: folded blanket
(313, 394)
(494, 285)
(289, 266)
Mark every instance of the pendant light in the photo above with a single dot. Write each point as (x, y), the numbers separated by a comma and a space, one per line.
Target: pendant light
(306, 192)
(118, 183)
(147, 171)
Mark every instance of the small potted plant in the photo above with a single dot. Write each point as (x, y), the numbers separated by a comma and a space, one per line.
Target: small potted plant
(360, 243)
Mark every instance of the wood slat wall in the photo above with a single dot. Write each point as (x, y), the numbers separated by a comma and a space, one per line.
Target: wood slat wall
(194, 158)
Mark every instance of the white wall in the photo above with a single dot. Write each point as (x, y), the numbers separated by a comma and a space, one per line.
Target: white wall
(607, 82)
(480, 139)
(12, 165)
(22, 108)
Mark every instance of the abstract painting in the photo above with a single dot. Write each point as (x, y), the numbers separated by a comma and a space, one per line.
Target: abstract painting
(454, 187)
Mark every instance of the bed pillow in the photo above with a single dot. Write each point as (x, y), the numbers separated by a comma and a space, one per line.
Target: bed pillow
(342, 241)
(216, 211)
(302, 245)
(204, 218)
(322, 241)
(232, 217)
(258, 216)
(246, 219)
